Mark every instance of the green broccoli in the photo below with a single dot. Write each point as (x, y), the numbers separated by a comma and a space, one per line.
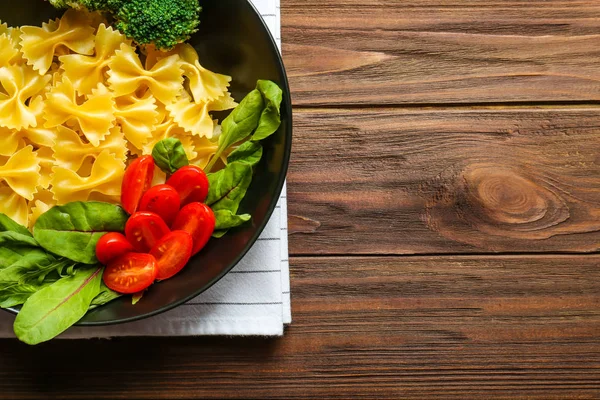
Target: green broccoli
(163, 23)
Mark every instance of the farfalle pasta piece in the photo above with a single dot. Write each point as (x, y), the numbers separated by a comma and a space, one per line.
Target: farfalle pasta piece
(126, 75)
(38, 134)
(204, 148)
(95, 116)
(170, 129)
(19, 84)
(13, 205)
(86, 72)
(10, 141)
(9, 52)
(70, 151)
(196, 118)
(22, 172)
(45, 156)
(105, 178)
(137, 117)
(42, 201)
(204, 85)
(39, 44)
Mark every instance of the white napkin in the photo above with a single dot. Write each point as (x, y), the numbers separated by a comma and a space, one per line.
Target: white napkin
(253, 299)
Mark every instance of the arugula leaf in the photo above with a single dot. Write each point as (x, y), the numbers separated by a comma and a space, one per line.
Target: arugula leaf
(73, 230)
(228, 186)
(270, 118)
(33, 266)
(8, 225)
(12, 294)
(248, 153)
(240, 124)
(13, 247)
(169, 155)
(225, 219)
(55, 308)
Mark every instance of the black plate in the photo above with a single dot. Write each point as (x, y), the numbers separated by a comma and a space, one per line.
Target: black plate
(234, 40)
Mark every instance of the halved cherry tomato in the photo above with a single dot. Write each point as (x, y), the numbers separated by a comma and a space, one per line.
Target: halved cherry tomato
(172, 252)
(191, 183)
(137, 179)
(162, 200)
(111, 246)
(198, 220)
(143, 229)
(130, 273)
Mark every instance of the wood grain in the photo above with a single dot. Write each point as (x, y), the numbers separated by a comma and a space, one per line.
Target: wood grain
(365, 327)
(445, 181)
(441, 51)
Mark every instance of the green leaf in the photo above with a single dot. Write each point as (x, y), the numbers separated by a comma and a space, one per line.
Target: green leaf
(169, 155)
(73, 230)
(106, 295)
(8, 225)
(228, 186)
(225, 219)
(36, 265)
(270, 118)
(55, 308)
(136, 297)
(13, 294)
(240, 123)
(14, 246)
(248, 153)
(219, 234)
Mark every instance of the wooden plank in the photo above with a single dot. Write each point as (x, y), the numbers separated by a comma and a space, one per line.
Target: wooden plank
(441, 51)
(408, 327)
(445, 181)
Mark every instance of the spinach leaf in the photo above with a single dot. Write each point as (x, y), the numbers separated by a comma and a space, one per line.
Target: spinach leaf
(52, 310)
(225, 219)
(270, 118)
(106, 295)
(14, 293)
(248, 153)
(240, 123)
(228, 186)
(8, 225)
(169, 155)
(73, 230)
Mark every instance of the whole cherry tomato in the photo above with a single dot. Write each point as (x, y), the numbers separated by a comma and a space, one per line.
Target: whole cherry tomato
(143, 229)
(191, 183)
(137, 179)
(162, 200)
(111, 246)
(198, 220)
(130, 273)
(172, 253)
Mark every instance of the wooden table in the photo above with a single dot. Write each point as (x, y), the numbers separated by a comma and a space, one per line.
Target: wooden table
(444, 199)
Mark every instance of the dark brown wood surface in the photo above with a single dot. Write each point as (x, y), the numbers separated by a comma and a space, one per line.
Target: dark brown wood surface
(444, 200)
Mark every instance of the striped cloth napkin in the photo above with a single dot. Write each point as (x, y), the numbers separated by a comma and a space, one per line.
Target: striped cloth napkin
(253, 299)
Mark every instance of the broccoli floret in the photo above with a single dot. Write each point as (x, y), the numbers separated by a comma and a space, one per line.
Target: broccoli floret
(163, 23)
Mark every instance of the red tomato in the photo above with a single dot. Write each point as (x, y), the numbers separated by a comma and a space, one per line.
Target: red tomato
(130, 273)
(172, 252)
(162, 200)
(137, 179)
(111, 246)
(198, 220)
(143, 229)
(191, 183)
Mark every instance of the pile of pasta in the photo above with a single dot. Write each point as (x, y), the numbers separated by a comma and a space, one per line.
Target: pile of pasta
(78, 100)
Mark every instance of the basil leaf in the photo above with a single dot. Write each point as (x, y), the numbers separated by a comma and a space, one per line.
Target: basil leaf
(225, 219)
(8, 225)
(240, 123)
(169, 155)
(55, 308)
(270, 118)
(106, 295)
(248, 153)
(73, 230)
(228, 186)
(13, 294)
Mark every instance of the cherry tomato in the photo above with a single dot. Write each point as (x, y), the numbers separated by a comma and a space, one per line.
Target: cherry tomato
(111, 246)
(162, 200)
(191, 183)
(130, 273)
(143, 229)
(198, 220)
(137, 179)
(172, 252)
